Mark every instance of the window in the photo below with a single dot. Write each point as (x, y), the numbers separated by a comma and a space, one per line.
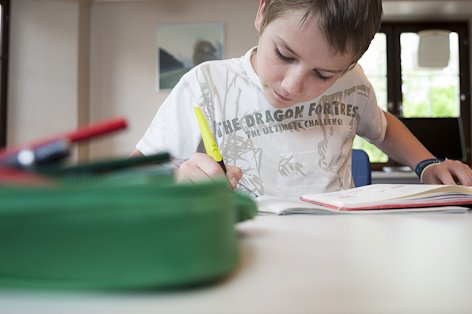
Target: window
(4, 31)
(408, 89)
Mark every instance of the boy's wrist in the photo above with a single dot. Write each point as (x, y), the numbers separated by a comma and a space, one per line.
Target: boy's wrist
(421, 167)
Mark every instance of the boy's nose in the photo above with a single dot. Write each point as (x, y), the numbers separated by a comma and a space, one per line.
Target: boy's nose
(293, 83)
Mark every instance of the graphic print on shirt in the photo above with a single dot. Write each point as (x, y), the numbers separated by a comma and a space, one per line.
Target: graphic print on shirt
(234, 146)
(330, 160)
(251, 138)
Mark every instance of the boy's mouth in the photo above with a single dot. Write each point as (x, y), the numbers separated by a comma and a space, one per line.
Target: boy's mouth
(282, 97)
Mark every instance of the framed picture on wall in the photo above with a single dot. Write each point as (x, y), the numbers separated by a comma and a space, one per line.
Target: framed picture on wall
(181, 47)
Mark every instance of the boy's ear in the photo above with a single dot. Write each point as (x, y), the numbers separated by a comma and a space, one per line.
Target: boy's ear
(260, 15)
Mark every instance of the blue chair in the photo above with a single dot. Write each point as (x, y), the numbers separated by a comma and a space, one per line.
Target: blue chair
(361, 172)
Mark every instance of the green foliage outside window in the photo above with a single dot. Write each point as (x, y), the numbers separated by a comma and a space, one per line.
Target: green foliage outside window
(426, 92)
(375, 154)
(442, 104)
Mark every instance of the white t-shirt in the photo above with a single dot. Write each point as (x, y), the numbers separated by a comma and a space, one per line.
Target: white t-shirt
(303, 149)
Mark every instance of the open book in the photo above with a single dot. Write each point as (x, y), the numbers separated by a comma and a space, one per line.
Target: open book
(376, 198)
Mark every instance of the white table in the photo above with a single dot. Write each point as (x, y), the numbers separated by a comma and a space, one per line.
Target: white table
(392, 263)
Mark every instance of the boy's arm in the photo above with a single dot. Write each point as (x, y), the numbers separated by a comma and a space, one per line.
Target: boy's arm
(403, 147)
(136, 153)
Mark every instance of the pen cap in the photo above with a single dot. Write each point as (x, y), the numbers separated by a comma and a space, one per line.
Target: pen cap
(208, 140)
(52, 152)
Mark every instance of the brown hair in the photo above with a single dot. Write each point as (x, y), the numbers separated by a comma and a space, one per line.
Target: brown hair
(346, 24)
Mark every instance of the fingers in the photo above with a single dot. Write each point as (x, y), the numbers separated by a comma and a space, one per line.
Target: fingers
(199, 167)
(203, 167)
(234, 174)
(448, 172)
(460, 171)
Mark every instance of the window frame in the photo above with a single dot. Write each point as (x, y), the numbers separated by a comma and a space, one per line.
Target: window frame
(393, 30)
(4, 53)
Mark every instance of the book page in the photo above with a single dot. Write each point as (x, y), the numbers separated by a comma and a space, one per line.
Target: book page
(267, 204)
(376, 194)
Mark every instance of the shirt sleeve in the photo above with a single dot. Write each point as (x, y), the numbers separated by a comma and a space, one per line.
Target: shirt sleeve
(174, 129)
(373, 124)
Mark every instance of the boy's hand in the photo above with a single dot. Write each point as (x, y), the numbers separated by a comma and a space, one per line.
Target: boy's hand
(202, 166)
(448, 172)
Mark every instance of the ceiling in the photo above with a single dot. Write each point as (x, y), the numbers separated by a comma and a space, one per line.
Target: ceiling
(428, 9)
(403, 9)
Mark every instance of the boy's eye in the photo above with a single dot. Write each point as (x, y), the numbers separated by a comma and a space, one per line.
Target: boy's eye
(321, 76)
(288, 59)
(281, 56)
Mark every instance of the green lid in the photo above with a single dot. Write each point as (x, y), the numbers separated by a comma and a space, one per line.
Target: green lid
(106, 232)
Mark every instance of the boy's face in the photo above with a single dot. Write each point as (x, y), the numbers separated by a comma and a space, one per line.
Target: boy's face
(295, 63)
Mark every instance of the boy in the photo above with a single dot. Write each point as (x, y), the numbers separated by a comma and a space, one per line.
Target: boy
(284, 116)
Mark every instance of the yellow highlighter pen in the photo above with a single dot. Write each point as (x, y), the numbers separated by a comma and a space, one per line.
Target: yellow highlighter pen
(208, 140)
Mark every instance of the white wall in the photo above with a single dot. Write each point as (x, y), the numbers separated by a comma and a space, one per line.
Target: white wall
(124, 57)
(43, 76)
(78, 61)
(48, 69)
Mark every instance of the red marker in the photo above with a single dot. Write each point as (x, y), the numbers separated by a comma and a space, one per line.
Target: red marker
(96, 129)
(56, 147)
